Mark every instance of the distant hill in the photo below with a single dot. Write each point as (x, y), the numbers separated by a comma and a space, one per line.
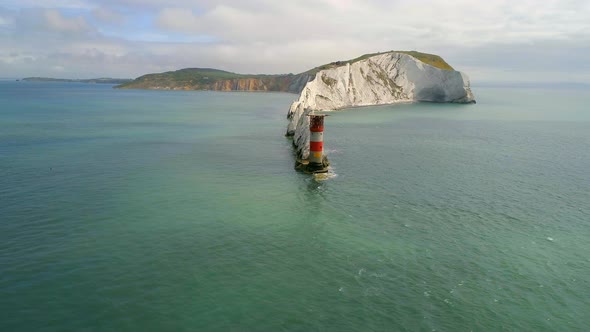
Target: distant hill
(67, 80)
(219, 80)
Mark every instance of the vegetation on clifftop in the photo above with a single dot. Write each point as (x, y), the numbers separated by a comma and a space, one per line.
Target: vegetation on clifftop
(430, 59)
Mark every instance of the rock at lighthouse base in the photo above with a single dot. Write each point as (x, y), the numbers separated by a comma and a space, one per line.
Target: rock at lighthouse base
(313, 168)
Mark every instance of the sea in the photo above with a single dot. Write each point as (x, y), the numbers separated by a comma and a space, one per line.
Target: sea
(133, 210)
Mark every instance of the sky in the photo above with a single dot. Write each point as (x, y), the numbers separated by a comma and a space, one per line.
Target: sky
(492, 41)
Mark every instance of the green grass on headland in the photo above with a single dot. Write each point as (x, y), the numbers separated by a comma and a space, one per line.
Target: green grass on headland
(430, 59)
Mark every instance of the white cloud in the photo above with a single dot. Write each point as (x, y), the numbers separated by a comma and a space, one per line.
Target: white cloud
(268, 36)
(56, 21)
(50, 23)
(457, 22)
(178, 19)
(6, 21)
(107, 15)
(69, 4)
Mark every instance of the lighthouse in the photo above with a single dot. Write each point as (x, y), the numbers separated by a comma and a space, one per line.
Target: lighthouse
(318, 163)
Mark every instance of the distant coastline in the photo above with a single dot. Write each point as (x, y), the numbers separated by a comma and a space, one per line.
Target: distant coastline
(103, 80)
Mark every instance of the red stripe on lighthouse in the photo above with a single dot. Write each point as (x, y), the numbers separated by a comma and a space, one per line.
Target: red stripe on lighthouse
(316, 146)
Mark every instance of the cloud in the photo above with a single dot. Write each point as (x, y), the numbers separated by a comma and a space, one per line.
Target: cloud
(459, 22)
(6, 22)
(178, 19)
(492, 40)
(62, 4)
(107, 15)
(48, 21)
(54, 20)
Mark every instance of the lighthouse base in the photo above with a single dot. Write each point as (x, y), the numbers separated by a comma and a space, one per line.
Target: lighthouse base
(312, 168)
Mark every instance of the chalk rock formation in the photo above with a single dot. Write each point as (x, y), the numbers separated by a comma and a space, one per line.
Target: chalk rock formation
(386, 78)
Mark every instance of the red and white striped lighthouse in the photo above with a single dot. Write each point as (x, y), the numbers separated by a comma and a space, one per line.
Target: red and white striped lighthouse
(317, 162)
(316, 138)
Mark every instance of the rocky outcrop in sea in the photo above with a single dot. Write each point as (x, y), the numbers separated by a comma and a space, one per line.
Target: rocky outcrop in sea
(386, 78)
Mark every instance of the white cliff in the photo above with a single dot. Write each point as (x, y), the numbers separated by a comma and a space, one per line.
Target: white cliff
(381, 79)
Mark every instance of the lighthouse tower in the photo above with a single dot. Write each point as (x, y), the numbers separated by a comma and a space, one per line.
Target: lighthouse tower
(318, 163)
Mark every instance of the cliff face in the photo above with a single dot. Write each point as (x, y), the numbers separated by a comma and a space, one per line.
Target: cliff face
(288, 83)
(241, 84)
(377, 80)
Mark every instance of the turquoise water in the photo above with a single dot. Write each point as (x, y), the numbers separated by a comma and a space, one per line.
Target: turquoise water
(181, 211)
